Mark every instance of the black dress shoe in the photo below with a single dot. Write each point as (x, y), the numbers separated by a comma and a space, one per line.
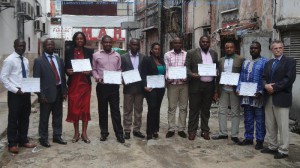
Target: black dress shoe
(280, 155)
(104, 137)
(138, 134)
(246, 142)
(217, 137)
(59, 140)
(170, 134)
(182, 134)
(235, 140)
(269, 151)
(120, 139)
(259, 145)
(45, 144)
(149, 137)
(127, 135)
(155, 135)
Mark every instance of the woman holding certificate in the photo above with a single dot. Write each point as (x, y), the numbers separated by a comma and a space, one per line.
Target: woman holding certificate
(152, 67)
(79, 87)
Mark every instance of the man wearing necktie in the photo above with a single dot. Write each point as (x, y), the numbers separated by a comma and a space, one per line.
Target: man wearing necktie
(15, 68)
(278, 78)
(50, 70)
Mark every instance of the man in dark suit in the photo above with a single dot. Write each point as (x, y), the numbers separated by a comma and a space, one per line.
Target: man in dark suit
(133, 92)
(202, 89)
(50, 69)
(278, 78)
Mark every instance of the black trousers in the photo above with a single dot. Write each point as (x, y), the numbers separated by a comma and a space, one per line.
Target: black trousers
(154, 99)
(199, 104)
(19, 108)
(57, 114)
(109, 94)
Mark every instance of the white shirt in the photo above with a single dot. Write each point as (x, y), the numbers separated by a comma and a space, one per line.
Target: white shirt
(55, 63)
(228, 65)
(11, 73)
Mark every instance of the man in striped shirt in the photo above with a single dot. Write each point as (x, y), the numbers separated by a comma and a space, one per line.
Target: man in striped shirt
(177, 90)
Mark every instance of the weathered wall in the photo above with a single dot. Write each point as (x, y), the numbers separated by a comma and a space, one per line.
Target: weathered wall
(264, 41)
(201, 18)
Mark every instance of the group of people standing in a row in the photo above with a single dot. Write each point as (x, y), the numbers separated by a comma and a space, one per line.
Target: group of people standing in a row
(269, 108)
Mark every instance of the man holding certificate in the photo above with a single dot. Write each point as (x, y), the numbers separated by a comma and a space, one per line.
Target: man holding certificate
(278, 78)
(202, 89)
(108, 60)
(177, 88)
(133, 92)
(50, 69)
(252, 103)
(15, 68)
(231, 63)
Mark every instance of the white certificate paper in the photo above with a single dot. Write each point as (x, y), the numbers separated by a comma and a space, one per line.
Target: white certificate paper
(177, 72)
(207, 70)
(248, 89)
(156, 81)
(112, 77)
(30, 85)
(228, 78)
(81, 65)
(131, 76)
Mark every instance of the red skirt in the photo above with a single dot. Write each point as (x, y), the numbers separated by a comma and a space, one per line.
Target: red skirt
(79, 96)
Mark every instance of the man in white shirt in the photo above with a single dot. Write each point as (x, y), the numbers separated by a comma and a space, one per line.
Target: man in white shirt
(15, 68)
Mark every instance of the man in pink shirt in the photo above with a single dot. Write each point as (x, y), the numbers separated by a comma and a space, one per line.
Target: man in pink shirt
(177, 90)
(202, 89)
(108, 60)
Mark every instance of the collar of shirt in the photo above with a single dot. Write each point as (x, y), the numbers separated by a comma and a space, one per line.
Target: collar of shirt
(279, 58)
(203, 51)
(137, 54)
(18, 55)
(226, 56)
(181, 51)
(111, 52)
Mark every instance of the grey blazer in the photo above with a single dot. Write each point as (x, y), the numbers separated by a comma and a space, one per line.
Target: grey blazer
(236, 68)
(193, 58)
(126, 65)
(43, 70)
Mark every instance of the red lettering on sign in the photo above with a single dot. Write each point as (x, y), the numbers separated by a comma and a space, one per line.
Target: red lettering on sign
(117, 33)
(102, 33)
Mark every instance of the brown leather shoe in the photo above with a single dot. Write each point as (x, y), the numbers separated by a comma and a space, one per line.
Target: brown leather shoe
(192, 136)
(205, 135)
(28, 145)
(13, 149)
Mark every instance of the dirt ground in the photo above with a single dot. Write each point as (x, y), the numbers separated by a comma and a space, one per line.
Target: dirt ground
(174, 152)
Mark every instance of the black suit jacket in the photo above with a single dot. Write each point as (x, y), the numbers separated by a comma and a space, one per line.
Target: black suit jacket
(149, 68)
(126, 65)
(284, 77)
(193, 58)
(69, 55)
(42, 69)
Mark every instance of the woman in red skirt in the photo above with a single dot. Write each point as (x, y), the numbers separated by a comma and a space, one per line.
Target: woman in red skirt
(79, 87)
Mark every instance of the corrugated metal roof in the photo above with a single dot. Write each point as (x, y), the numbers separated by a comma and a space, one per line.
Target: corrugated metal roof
(94, 21)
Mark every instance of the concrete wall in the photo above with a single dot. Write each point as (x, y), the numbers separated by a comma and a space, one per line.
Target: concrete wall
(289, 9)
(264, 41)
(201, 18)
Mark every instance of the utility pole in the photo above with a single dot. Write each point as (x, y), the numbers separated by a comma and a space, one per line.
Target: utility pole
(20, 21)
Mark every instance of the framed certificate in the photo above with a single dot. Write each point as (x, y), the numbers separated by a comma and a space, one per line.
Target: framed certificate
(228, 78)
(207, 70)
(112, 77)
(131, 76)
(156, 81)
(178, 72)
(30, 85)
(81, 65)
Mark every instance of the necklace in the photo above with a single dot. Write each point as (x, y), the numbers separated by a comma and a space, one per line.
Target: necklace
(250, 63)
